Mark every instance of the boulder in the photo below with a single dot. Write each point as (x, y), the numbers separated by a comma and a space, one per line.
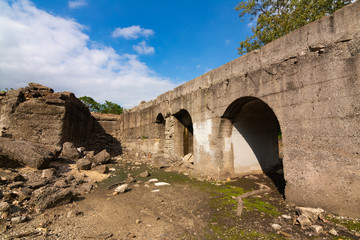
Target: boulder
(86, 188)
(101, 157)
(28, 153)
(161, 161)
(83, 164)
(101, 169)
(48, 197)
(69, 151)
(48, 173)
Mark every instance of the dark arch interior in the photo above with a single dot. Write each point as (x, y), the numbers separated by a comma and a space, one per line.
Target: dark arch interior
(184, 118)
(160, 119)
(259, 126)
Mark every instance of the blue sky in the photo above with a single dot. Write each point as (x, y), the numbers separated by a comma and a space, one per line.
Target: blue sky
(122, 51)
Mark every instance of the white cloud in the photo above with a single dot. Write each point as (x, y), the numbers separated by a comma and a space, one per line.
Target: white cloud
(133, 32)
(36, 46)
(77, 4)
(143, 48)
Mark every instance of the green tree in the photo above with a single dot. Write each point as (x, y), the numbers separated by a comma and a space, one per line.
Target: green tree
(110, 107)
(275, 18)
(90, 103)
(107, 107)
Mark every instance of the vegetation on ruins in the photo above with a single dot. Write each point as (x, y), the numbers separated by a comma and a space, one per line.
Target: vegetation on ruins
(275, 18)
(107, 107)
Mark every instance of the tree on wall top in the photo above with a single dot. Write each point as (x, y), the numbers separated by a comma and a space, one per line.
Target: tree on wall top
(275, 18)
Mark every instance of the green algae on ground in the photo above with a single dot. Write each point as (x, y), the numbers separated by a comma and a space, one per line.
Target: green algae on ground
(234, 232)
(349, 224)
(252, 204)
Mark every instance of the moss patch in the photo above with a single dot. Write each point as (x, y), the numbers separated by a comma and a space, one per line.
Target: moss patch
(349, 224)
(252, 204)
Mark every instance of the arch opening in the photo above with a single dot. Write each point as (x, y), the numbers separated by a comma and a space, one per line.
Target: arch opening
(160, 119)
(185, 132)
(252, 140)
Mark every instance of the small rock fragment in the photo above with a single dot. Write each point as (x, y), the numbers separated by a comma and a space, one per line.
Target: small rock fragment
(4, 207)
(286, 216)
(153, 180)
(333, 232)
(18, 219)
(317, 229)
(48, 173)
(158, 184)
(15, 185)
(312, 213)
(276, 226)
(121, 189)
(137, 221)
(130, 178)
(155, 190)
(304, 221)
(145, 174)
(101, 169)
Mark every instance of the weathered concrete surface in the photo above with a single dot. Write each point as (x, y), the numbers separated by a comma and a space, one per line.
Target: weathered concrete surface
(306, 83)
(39, 115)
(35, 122)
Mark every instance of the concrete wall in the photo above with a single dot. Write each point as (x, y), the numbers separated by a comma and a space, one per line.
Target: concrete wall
(307, 83)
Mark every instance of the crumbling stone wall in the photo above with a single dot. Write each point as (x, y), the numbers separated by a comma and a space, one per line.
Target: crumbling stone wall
(310, 81)
(39, 115)
(142, 132)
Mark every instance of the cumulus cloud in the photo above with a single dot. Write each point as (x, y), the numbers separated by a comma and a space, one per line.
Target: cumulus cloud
(36, 46)
(143, 48)
(77, 4)
(133, 32)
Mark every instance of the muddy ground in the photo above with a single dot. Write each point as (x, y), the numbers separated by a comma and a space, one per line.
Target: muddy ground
(188, 208)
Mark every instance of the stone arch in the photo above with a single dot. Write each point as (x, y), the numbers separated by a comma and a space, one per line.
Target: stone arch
(184, 133)
(250, 131)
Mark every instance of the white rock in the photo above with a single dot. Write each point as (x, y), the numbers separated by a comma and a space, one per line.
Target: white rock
(156, 190)
(286, 216)
(161, 184)
(153, 180)
(333, 232)
(312, 213)
(317, 228)
(188, 158)
(121, 188)
(276, 226)
(304, 221)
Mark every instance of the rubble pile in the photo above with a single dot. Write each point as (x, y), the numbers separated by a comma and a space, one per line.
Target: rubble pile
(25, 191)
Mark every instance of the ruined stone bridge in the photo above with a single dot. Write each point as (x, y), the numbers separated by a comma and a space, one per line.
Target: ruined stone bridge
(305, 85)
(302, 89)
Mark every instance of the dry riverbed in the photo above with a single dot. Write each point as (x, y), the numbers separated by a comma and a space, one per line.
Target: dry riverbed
(188, 208)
